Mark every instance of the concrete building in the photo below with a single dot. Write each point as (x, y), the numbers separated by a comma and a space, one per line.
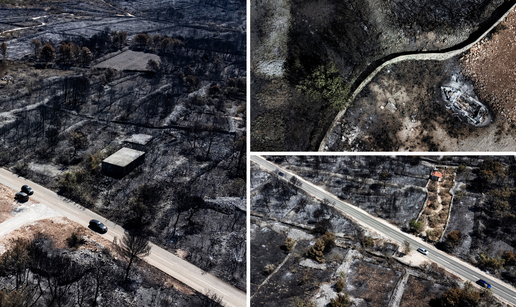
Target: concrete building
(122, 162)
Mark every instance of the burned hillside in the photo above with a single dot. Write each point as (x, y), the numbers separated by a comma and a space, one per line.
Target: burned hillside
(390, 188)
(291, 41)
(73, 267)
(185, 109)
(304, 252)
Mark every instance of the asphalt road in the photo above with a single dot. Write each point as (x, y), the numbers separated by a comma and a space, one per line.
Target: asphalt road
(160, 258)
(451, 263)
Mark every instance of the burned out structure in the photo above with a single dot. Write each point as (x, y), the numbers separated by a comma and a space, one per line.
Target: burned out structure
(122, 162)
(465, 106)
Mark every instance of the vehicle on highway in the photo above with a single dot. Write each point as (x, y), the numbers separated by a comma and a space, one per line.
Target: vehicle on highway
(281, 174)
(98, 226)
(27, 189)
(422, 250)
(21, 196)
(483, 283)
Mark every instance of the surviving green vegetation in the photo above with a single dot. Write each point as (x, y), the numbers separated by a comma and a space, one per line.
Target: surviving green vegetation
(322, 245)
(326, 84)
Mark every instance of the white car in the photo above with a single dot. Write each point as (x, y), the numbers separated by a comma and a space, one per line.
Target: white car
(422, 250)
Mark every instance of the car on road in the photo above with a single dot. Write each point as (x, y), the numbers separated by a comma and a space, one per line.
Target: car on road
(483, 283)
(27, 189)
(281, 174)
(422, 250)
(98, 226)
(21, 196)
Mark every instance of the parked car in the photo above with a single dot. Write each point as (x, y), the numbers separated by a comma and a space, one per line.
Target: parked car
(422, 250)
(483, 283)
(98, 226)
(21, 196)
(27, 189)
(281, 174)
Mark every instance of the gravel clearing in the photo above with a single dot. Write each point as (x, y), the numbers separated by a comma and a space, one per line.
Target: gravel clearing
(24, 214)
(491, 65)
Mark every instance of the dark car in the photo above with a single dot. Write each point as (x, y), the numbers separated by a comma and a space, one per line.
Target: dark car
(281, 174)
(484, 284)
(98, 226)
(27, 190)
(21, 196)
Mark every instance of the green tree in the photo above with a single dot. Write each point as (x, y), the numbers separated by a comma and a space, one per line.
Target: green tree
(456, 297)
(299, 302)
(326, 84)
(416, 226)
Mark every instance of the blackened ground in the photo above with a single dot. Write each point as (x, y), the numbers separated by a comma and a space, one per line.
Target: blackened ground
(352, 34)
(420, 121)
(266, 249)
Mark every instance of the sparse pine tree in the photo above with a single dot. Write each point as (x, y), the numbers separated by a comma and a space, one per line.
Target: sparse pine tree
(36, 46)
(47, 53)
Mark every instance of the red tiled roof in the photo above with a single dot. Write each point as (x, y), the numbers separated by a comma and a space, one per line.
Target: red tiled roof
(437, 174)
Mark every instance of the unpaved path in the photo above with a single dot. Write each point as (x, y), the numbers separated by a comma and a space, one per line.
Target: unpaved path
(24, 214)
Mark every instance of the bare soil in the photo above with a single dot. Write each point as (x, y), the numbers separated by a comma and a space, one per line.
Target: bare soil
(420, 121)
(6, 202)
(419, 292)
(129, 60)
(266, 249)
(491, 65)
(372, 282)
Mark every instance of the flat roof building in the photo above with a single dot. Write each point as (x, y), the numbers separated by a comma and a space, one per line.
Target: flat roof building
(122, 162)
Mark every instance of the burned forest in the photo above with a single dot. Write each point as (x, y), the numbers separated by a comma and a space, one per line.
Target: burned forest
(82, 81)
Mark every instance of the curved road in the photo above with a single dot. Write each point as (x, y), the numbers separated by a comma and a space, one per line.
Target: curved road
(435, 56)
(451, 263)
(180, 269)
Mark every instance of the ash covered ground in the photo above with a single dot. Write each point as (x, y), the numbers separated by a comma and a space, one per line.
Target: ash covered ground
(286, 224)
(187, 114)
(290, 40)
